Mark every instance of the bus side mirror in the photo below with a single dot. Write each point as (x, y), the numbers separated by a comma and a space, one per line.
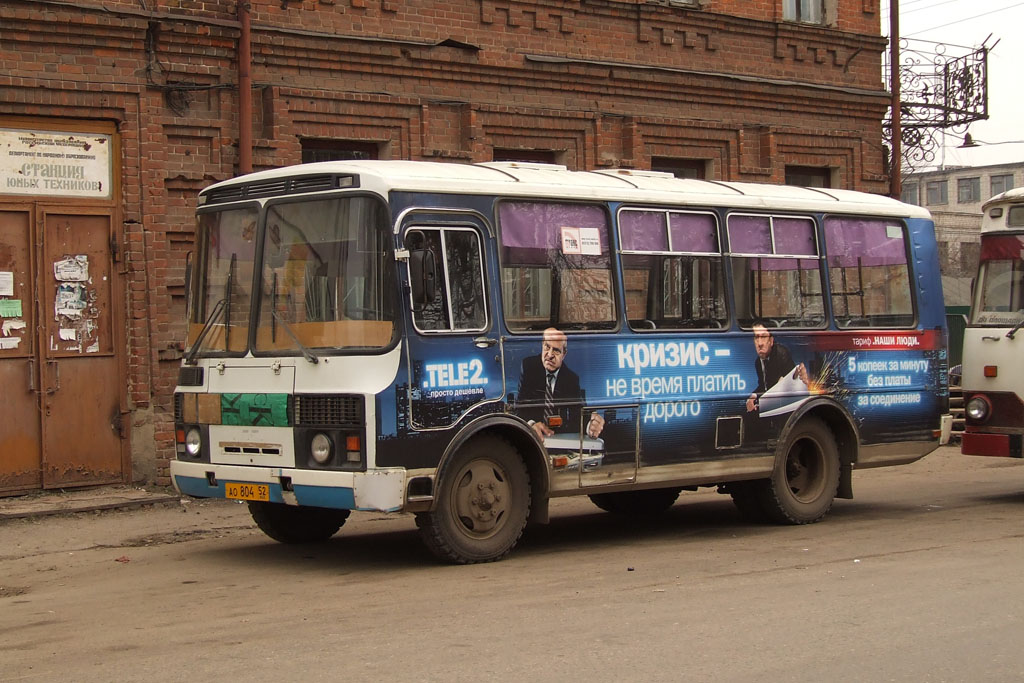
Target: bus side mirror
(188, 285)
(422, 275)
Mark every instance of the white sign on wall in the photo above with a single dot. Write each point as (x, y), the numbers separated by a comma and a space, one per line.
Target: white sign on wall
(55, 163)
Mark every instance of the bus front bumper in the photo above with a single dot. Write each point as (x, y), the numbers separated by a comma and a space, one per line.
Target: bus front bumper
(998, 445)
(380, 490)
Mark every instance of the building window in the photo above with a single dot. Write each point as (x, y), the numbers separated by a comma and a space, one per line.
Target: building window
(680, 168)
(968, 190)
(936, 192)
(1001, 183)
(804, 11)
(909, 194)
(808, 176)
(536, 156)
(338, 150)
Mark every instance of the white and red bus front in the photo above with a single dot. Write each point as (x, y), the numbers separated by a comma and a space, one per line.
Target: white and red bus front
(993, 365)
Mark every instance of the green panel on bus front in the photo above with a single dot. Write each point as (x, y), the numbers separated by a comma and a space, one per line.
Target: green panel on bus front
(264, 410)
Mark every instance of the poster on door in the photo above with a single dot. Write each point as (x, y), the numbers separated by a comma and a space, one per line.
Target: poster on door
(74, 307)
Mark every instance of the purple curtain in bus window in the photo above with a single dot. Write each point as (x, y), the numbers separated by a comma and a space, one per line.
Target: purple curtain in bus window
(537, 225)
(749, 235)
(693, 232)
(643, 230)
(794, 237)
(870, 241)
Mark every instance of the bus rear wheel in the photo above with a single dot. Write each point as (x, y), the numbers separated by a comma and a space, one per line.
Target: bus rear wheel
(636, 503)
(482, 506)
(290, 524)
(804, 484)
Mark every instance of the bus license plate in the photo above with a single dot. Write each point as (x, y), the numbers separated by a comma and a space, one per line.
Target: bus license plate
(241, 491)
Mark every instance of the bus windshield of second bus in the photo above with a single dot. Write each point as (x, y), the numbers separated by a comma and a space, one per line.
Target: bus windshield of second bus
(992, 377)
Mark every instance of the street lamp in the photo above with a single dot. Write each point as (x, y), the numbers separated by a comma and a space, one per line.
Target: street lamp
(970, 141)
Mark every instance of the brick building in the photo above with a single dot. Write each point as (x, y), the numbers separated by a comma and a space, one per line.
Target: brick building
(138, 104)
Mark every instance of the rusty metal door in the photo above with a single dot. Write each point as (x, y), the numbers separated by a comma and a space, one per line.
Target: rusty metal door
(82, 394)
(60, 375)
(20, 444)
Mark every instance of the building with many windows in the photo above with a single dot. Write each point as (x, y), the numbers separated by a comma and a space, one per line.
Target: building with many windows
(954, 196)
(115, 113)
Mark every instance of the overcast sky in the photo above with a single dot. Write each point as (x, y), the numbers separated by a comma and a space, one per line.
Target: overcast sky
(968, 23)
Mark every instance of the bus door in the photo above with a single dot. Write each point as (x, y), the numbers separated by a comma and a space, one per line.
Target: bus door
(561, 361)
(454, 353)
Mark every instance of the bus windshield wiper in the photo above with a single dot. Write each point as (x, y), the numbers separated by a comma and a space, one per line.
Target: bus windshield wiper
(306, 353)
(218, 312)
(1016, 328)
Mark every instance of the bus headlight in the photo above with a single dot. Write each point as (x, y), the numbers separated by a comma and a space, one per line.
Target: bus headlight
(320, 448)
(978, 409)
(193, 442)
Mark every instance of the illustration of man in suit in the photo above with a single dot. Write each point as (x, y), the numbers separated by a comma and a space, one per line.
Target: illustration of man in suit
(551, 390)
(772, 362)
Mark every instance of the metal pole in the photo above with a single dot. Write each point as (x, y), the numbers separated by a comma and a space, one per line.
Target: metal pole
(896, 130)
(244, 90)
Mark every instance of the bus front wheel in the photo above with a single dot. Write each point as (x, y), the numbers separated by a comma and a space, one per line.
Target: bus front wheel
(804, 483)
(482, 506)
(290, 524)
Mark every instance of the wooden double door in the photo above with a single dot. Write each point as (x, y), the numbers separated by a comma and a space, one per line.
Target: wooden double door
(62, 418)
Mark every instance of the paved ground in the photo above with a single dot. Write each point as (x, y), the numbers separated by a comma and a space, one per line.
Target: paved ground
(916, 579)
(83, 500)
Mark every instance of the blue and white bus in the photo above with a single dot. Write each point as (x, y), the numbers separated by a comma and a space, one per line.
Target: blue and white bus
(466, 342)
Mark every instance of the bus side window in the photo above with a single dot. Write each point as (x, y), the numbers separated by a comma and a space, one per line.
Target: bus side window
(776, 270)
(673, 270)
(450, 260)
(556, 266)
(868, 273)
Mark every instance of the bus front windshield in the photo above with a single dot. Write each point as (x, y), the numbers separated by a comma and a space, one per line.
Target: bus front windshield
(999, 291)
(324, 282)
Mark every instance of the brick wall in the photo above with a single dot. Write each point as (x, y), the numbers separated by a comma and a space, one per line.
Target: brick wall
(601, 83)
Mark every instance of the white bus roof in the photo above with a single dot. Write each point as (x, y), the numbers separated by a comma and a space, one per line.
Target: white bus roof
(1014, 194)
(549, 180)
(996, 220)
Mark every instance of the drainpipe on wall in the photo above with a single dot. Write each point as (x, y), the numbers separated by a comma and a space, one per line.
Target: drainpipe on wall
(244, 90)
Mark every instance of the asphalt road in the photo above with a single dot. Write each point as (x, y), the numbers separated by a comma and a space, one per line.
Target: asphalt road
(916, 579)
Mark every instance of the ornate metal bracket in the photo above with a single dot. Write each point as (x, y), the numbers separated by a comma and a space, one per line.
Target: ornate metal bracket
(942, 87)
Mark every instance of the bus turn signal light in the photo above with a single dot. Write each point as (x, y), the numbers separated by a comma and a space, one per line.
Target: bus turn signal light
(352, 448)
(991, 370)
